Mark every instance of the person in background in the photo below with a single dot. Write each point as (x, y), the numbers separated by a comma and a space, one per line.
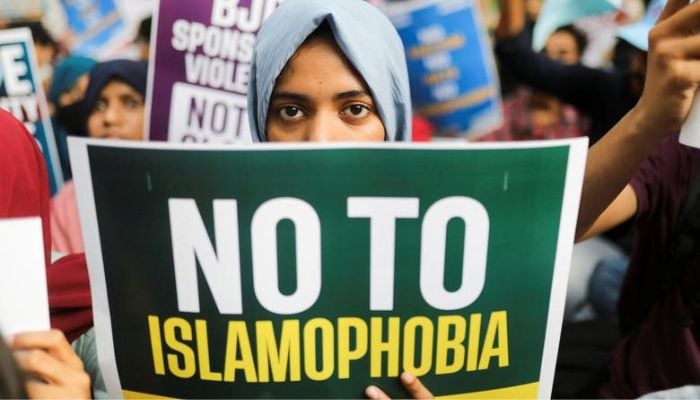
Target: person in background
(607, 277)
(567, 44)
(605, 96)
(143, 38)
(509, 81)
(658, 306)
(46, 49)
(532, 10)
(535, 114)
(46, 356)
(114, 108)
(65, 95)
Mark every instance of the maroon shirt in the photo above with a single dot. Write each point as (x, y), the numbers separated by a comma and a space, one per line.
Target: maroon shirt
(657, 352)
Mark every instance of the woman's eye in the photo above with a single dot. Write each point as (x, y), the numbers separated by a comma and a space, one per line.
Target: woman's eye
(132, 103)
(291, 113)
(356, 111)
(100, 105)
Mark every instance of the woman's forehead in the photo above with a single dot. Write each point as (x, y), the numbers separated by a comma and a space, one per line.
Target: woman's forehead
(368, 40)
(118, 85)
(320, 61)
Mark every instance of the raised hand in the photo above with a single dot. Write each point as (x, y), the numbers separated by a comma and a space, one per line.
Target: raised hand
(673, 66)
(54, 370)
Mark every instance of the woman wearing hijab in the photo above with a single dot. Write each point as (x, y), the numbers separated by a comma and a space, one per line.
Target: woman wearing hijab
(45, 355)
(322, 79)
(66, 93)
(323, 76)
(114, 106)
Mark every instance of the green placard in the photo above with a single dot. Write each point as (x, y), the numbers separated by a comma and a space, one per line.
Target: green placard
(313, 271)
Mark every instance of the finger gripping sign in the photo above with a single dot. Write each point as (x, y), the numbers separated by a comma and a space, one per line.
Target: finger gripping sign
(314, 271)
(201, 69)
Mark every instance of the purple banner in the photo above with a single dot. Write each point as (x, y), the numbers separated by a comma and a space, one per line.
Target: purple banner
(200, 69)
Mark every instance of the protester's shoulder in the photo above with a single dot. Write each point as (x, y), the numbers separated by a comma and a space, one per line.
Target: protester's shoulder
(667, 172)
(86, 348)
(6, 119)
(13, 131)
(515, 47)
(19, 151)
(65, 195)
(671, 154)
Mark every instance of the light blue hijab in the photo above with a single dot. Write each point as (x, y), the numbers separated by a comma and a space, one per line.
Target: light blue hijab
(365, 36)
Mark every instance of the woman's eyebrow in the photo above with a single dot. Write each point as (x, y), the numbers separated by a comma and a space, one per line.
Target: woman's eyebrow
(352, 94)
(129, 96)
(289, 96)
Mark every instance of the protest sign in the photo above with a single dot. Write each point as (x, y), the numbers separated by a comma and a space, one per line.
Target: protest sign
(97, 26)
(199, 75)
(15, 11)
(22, 95)
(557, 13)
(103, 29)
(451, 68)
(24, 302)
(313, 271)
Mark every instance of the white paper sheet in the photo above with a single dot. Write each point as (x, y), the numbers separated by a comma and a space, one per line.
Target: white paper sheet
(24, 303)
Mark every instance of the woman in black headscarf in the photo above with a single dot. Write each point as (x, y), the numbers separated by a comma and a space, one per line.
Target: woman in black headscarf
(113, 109)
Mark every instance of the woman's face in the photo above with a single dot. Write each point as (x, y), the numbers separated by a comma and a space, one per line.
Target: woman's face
(75, 93)
(319, 97)
(561, 46)
(118, 113)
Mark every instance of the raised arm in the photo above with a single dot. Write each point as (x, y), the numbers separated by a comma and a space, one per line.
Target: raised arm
(573, 83)
(512, 20)
(673, 76)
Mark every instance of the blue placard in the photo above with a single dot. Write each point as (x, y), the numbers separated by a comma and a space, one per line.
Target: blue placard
(557, 13)
(451, 68)
(94, 23)
(22, 95)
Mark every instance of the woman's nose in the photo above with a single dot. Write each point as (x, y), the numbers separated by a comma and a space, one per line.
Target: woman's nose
(112, 115)
(320, 127)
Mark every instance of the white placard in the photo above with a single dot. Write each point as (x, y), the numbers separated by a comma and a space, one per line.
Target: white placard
(208, 115)
(24, 302)
(690, 131)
